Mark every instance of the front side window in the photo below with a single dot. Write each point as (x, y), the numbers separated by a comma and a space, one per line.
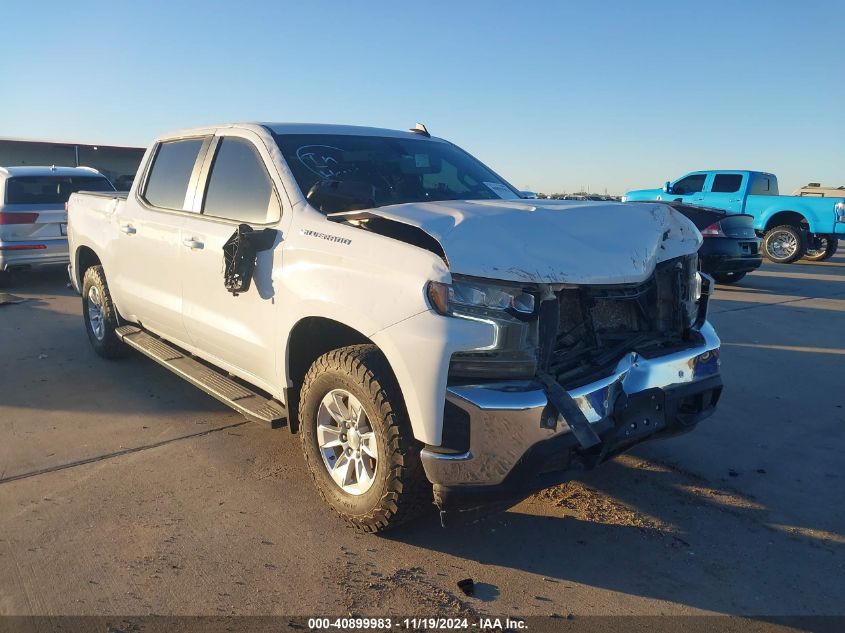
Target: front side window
(170, 173)
(726, 183)
(398, 169)
(690, 184)
(51, 189)
(239, 187)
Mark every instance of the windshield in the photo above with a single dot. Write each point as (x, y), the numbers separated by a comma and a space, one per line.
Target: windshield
(51, 189)
(399, 169)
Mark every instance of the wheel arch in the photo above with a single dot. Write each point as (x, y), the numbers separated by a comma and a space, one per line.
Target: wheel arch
(310, 338)
(793, 218)
(84, 258)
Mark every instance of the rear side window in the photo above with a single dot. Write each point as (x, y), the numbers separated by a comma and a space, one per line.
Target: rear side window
(690, 184)
(764, 186)
(51, 189)
(170, 173)
(726, 183)
(239, 187)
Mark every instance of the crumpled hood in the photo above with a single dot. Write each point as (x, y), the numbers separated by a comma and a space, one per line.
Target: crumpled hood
(552, 241)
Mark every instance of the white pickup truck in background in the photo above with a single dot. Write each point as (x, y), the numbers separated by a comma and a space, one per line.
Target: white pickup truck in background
(431, 335)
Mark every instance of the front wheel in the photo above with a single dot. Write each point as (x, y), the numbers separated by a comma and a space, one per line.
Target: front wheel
(728, 278)
(826, 249)
(357, 440)
(784, 244)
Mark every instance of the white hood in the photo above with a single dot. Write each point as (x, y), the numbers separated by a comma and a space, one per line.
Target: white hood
(552, 241)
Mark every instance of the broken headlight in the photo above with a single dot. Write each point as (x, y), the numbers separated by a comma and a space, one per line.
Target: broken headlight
(511, 309)
(692, 289)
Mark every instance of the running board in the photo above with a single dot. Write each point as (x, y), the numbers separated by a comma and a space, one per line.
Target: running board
(252, 406)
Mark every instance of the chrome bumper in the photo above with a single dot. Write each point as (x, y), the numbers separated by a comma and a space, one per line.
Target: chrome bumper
(508, 418)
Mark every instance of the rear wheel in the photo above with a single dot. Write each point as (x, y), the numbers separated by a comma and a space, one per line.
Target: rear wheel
(728, 278)
(826, 249)
(100, 315)
(784, 244)
(357, 440)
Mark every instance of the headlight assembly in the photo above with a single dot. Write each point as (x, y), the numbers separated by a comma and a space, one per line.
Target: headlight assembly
(511, 309)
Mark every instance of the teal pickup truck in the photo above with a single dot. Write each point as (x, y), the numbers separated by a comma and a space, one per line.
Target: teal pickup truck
(792, 227)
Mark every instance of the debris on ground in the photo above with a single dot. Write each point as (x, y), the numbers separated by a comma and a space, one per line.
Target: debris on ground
(467, 586)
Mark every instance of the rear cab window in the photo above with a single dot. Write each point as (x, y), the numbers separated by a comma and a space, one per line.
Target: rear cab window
(764, 185)
(170, 173)
(54, 190)
(239, 187)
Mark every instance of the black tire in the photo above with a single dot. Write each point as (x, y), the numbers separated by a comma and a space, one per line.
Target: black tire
(107, 344)
(784, 231)
(728, 278)
(399, 491)
(827, 250)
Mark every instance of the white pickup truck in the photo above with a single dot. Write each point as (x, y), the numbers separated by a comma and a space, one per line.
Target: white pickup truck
(430, 335)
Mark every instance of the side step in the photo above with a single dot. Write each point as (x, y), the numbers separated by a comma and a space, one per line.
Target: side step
(252, 406)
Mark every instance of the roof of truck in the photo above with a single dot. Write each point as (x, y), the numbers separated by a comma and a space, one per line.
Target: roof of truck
(328, 128)
(47, 170)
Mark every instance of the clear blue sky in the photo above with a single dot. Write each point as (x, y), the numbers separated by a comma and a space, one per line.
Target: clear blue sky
(553, 95)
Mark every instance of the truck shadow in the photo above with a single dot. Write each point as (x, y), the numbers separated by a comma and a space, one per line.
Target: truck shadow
(48, 363)
(644, 529)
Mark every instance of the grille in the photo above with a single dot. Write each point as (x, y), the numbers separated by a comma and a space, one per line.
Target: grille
(598, 325)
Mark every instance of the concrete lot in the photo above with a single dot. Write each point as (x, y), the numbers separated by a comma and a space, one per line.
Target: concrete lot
(180, 507)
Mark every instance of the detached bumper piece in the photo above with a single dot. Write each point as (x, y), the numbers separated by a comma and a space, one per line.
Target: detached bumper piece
(519, 441)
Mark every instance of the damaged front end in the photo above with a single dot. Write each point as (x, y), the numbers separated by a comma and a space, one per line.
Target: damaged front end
(599, 368)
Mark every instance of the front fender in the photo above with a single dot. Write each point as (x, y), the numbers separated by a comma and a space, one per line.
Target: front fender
(419, 350)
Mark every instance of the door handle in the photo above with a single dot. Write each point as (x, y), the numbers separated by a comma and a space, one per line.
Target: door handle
(128, 229)
(193, 243)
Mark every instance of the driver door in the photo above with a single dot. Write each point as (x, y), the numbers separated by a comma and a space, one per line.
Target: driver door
(689, 189)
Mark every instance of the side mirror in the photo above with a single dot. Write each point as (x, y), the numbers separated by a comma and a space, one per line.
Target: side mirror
(331, 196)
(667, 188)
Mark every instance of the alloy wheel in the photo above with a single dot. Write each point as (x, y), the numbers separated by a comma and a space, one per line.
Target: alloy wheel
(347, 442)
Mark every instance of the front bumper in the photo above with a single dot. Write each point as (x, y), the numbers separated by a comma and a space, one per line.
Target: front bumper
(518, 443)
(34, 254)
(729, 255)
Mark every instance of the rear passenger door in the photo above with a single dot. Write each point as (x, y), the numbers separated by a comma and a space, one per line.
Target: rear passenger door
(149, 246)
(725, 191)
(241, 331)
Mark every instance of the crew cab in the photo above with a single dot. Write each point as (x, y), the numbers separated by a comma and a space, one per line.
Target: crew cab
(792, 227)
(32, 214)
(430, 335)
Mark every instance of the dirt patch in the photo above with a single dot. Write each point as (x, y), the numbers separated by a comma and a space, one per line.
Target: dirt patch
(591, 505)
(368, 590)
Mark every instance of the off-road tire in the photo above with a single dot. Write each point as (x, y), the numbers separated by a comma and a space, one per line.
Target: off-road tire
(728, 278)
(110, 346)
(828, 250)
(400, 491)
(797, 233)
